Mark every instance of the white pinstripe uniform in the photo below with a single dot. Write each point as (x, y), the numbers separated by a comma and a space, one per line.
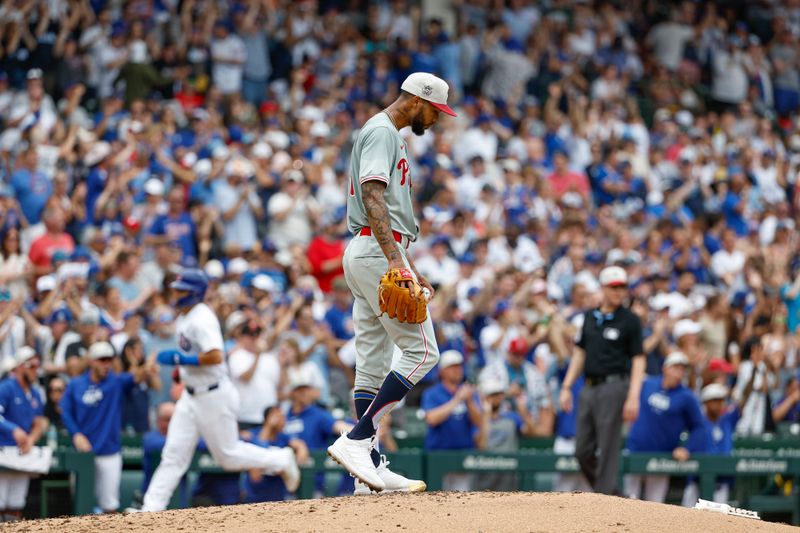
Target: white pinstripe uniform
(379, 153)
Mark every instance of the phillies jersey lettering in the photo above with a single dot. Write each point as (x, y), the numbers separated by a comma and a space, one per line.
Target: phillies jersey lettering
(402, 166)
(379, 154)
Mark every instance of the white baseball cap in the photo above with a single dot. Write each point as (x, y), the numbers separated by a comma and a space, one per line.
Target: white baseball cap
(263, 282)
(450, 358)
(89, 316)
(491, 386)
(214, 269)
(234, 320)
(239, 167)
(261, 150)
(572, 199)
(685, 327)
(98, 152)
(300, 379)
(154, 187)
(430, 88)
(613, 276)
(294, 175)
(46, 283)
(714, 391)
(320, 129)
(676, 358)
(220, 152)
(238, 265)
(23, 355)
(189, 159)
(511, 165)
(203, 167)
(101, 349)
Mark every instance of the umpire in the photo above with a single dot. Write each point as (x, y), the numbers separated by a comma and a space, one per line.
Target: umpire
(610, 354)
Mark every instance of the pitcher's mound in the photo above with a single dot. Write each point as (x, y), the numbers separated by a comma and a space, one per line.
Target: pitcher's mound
(437, 511)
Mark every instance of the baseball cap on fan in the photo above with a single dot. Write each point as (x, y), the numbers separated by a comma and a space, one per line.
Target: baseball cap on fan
(676, 358)
(450, 358)
(714, 391)
(613, 276)
(430, 88)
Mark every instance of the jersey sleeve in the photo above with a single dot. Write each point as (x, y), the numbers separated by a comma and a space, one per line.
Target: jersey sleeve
(635, 343)
(328, 422)
(694, 417)
(207, 333)
(732, 416)
(67, 410)
(699, 440)
(7, 427)
(377, 156)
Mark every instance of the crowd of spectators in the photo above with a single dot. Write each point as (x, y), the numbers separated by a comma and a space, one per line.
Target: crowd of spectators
(139, 137)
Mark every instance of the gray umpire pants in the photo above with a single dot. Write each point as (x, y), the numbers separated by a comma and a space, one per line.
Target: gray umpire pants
(599, 434)
(376, 334)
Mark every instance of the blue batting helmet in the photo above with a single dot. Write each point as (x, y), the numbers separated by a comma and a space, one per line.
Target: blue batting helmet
(195, 282)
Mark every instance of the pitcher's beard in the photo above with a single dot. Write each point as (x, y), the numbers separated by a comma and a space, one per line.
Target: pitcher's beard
(418, 125)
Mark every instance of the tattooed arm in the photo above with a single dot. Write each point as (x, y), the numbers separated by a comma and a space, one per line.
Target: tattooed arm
(378, 216)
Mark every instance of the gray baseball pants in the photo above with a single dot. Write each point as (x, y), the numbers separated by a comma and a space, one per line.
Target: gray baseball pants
(364, 265)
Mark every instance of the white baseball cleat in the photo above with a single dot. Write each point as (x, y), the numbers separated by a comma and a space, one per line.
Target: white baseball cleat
(291, 474)
(354, 456)
(394, 482)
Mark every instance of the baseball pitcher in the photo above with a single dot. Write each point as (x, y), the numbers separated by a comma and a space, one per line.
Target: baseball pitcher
(391, 297)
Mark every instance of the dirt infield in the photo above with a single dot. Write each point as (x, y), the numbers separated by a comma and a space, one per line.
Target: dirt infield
(437, 511)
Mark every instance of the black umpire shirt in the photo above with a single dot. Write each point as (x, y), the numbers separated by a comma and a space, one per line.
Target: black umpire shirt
(610, 341)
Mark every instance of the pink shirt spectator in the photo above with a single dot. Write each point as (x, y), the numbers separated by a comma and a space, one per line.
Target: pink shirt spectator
(44, 247)
(569, 181)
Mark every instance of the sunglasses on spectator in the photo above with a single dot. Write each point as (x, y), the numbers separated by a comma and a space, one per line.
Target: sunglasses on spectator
(56, 389)
(105, 359)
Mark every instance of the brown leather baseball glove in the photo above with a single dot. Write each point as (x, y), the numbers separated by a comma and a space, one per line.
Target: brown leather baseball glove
(401, 297)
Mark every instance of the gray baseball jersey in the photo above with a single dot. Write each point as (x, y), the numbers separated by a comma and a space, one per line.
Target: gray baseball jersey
(380, 153)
